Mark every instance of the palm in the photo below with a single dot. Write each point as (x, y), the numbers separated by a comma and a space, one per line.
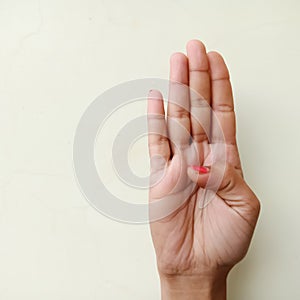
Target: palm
(194, 238)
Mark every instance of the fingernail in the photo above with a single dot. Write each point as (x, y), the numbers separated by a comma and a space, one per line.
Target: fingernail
(201, 169)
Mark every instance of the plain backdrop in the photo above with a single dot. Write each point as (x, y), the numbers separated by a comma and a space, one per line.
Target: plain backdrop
(56, 57)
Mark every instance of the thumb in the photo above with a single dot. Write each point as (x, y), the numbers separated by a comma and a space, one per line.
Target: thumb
(228, 184)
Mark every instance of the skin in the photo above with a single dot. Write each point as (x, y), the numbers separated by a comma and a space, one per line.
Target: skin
(197, 247)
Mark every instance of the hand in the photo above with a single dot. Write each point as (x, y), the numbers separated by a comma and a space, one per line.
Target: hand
(196, 247)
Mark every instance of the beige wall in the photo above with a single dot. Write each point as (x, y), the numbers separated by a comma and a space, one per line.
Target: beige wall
(55, 58)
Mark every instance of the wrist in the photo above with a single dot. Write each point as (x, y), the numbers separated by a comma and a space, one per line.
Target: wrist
(193, 287)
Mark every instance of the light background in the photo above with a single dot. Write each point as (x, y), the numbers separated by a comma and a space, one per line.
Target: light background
(58, 56)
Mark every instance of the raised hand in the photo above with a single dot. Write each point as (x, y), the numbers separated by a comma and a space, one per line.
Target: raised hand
(197, 245)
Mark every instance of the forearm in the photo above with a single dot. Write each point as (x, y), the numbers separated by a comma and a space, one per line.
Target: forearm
(193, 288)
